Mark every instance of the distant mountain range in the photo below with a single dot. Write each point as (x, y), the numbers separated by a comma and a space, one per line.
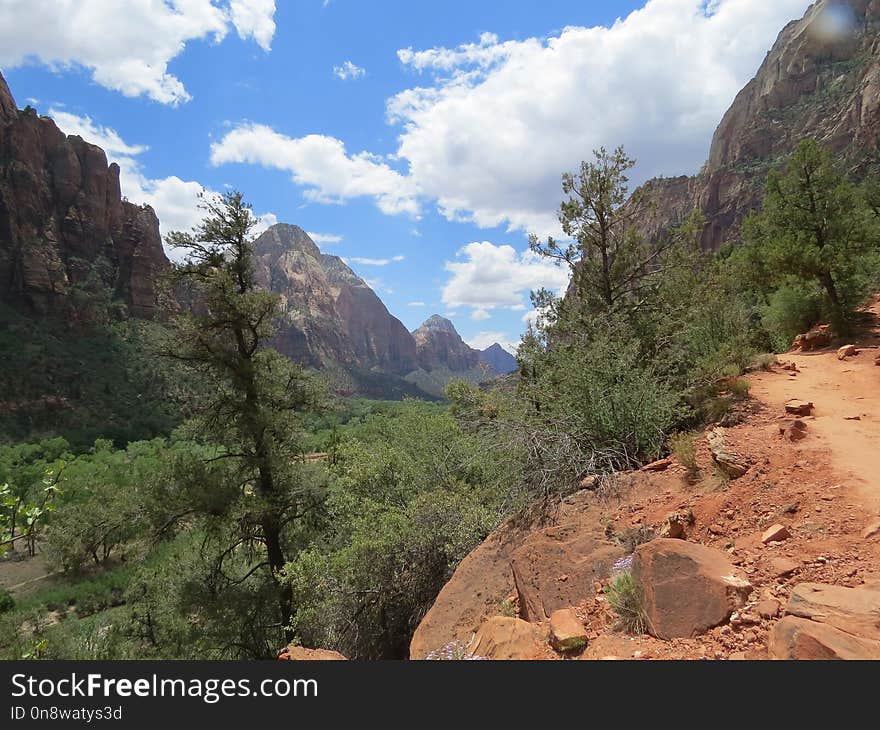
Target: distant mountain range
(334, 321)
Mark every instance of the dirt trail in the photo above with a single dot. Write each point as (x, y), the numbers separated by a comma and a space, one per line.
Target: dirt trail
(846, 419)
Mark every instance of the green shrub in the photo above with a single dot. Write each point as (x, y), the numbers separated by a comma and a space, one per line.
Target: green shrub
(765, 362)
(790, 311)
(685, 451)
(740, 388)
(7, 602)
(625, 598)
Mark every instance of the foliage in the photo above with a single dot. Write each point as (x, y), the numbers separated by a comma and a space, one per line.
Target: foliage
(411, 495)
(605, 377)
(683, 448)
(791, 310)
(7, 602)
(625, 598)
(251, 414)
(816, 228)
(99, 381)
(454, 651)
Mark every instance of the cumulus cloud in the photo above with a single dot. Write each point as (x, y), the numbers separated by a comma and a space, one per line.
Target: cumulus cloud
(348, 70)
(254, 19)
(325, 238)
(489, 133)
(264, 223)
(174, 200)
(127, 46)
(416, 304)
(492, 277)
(322, 165)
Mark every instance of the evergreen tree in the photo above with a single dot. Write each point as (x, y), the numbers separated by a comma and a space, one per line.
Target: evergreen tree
(815, 228)
(253, 411)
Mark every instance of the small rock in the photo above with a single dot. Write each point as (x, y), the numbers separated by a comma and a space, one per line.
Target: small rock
(800, 638)
(768, 609)
(799, 407)
(716, 529)
(872, 530)
(301, 653)
(567, 633)
(796, 431)
(590, 482)
(847, 351)
(659, 465)
(776, 533)
(504, 638)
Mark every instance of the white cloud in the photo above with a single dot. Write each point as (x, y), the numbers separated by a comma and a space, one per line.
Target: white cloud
(127, 46)
(379, 286)
(254, 19)
(480, 314)
(416, 304)
(531, 317)
(482, 340)
(325, 238)
(322, 165)
(348, 70)
(491, 131)
(174, 200)
(264, 223)
(494, 276)
(105, 137)
(373, 262)
(492, 124)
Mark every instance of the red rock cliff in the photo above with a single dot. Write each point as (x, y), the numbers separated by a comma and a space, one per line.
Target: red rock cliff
(63, 220)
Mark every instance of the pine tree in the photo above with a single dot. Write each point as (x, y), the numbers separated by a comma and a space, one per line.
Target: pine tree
(256, 397)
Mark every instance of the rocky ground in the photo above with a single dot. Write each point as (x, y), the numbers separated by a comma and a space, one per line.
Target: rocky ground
(789, 498)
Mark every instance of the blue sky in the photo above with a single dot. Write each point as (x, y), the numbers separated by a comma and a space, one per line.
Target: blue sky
(421, 141)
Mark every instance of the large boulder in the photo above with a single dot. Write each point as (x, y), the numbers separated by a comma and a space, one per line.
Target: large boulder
(502, 637)
(687, 588)
(855, 611)
(800, 638)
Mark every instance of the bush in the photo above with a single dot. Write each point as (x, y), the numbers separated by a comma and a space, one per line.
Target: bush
(790, 311)
(740, 388)
(685, 451)
(626, 599)
(7, 602)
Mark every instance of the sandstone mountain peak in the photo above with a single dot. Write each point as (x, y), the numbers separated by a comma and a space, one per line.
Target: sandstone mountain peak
(331, 316)
(499, 359)
(437, 323)
(284, 236)
(440, 346)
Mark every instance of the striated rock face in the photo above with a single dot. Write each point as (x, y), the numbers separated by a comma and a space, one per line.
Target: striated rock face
(821, 79)
(440, 346)
(63, 222)
(499, 359)
(330, 315)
